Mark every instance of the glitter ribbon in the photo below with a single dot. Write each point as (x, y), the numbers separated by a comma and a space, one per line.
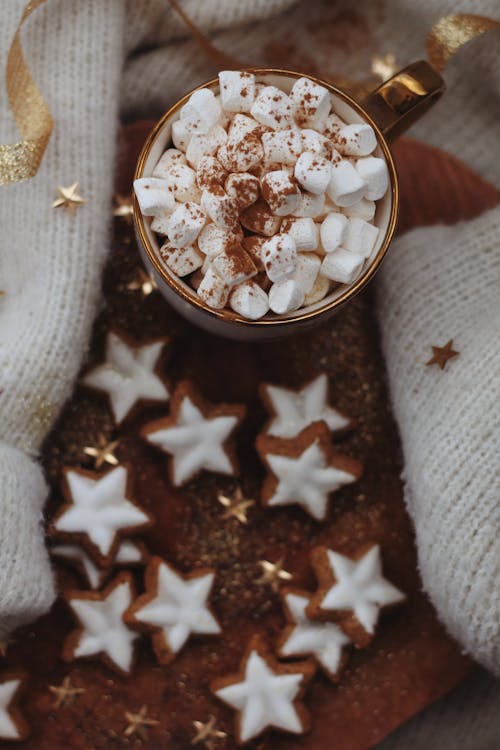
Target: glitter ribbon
(20, 161)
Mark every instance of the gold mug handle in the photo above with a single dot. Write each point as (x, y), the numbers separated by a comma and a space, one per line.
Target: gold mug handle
(401, 100)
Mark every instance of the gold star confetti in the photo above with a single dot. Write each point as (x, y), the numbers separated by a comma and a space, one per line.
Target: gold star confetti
(123, 208)
(65, 692)
(273, 573)
(144, 282)
(68, 198)
(103, 452)
(139, 723)
(236, 506)
(384, 66)
(207, 733)
(441, 355)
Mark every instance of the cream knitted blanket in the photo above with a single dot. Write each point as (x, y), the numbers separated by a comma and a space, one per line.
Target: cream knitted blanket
(438, 282)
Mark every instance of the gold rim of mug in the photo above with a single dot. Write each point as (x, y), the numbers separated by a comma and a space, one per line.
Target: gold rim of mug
(228, 315)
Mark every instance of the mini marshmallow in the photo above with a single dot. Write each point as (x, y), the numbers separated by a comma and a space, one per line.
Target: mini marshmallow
(253, 245)
(160, 224)
(181, 260)
(332, 125)
(259, 218)
(313, 172)
(279, 255)
(213, 290)
(237, 90)
(316, 143)
(244, 188)
(154, 196)
(358, 139)
(304, 231)
(312, 102)
(182, 180)
(222, 209)
(341, 265)
(241, 154)
(282, 146)
(180, 135)
(308, 265)
(185, 224)
(209, 172)
(364, 208)
(333, 231)
(234, 265)
(360, 237)
(167, 160)
(376, 176)
(319, 290)
(285, 296)
(346, 185)
(205, 145)
(212, 240)
(201, 112)
(241, 125)
(249, 300)
(310, 205)
(272, 107)
(281, 192)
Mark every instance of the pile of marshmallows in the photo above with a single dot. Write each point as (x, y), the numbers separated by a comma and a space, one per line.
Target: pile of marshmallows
(267, 198)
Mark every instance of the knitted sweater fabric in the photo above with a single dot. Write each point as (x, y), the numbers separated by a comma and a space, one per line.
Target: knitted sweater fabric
(438, 283)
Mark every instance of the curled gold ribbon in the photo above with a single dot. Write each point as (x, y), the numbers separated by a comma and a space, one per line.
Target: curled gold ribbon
(452, 32)
(20, 161)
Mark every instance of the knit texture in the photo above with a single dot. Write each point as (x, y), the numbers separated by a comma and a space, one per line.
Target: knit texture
(94, 58)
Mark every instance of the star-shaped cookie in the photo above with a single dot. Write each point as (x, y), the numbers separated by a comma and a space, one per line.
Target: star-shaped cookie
(129, 374)
(352, 591)
(12, 724)
(98, 512)
(265, 693)
(293, 410)
(173, 608)
(101, 630)
(304, 637)
(196, 435)
(304, 470)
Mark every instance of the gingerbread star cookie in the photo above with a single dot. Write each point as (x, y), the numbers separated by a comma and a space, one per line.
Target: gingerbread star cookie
(99, 511)
(101, 630)
(196, 435)
(304, 637)
(12, 724)
(173, 608)
(265, 693)
(352, 591)
(129, 553)
(293, 410)
(304, 470)
(129, 374)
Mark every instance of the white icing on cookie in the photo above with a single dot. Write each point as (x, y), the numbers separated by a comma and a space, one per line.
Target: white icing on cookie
(103, 628)
(306, 480)
(360, 587)
(128, 554)
(322, 639)
(100, 508)
(128, 375)
(295, 410)
(180, 607)
(195, 442)
(265, 699)
(8, 728)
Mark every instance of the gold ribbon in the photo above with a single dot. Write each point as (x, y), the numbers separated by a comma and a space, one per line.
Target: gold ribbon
(452, 32)
(20, 161)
